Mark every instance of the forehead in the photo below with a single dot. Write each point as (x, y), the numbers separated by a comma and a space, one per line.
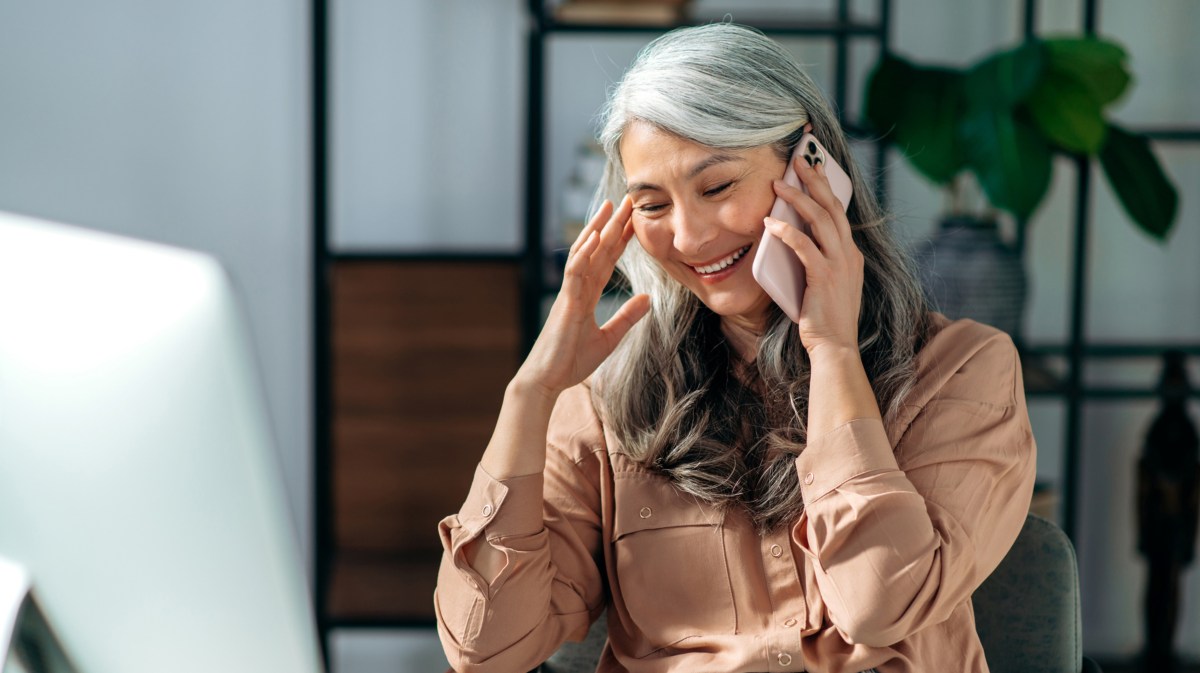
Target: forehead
(648, 153)
(647, 147)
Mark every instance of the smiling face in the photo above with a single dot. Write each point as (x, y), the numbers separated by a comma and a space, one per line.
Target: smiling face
(699, 211)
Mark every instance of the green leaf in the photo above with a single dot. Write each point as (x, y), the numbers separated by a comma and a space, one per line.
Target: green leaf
(885, 95)
(1099, 65)
(1007, 153)
(920, 108)
(1067, 112)
(1009, 157)
(1139, 181)
(1006, 78)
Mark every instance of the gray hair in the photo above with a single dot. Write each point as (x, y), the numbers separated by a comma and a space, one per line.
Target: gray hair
(674, 393)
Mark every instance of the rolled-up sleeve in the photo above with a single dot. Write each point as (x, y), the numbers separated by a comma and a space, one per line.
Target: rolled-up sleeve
(547, 527)
(901, 536)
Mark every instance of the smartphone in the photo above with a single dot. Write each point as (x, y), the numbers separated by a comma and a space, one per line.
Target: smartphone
(776, 267)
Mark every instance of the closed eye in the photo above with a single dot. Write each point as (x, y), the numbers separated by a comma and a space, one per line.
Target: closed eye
(652, 208)
(718, 189)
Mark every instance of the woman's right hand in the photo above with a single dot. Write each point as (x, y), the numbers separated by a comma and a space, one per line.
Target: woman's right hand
(571, 344)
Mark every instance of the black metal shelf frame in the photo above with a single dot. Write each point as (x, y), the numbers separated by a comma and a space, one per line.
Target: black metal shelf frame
(1076, 349)
(322, 331)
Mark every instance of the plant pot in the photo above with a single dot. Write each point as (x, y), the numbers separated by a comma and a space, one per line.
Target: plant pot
(967, 271)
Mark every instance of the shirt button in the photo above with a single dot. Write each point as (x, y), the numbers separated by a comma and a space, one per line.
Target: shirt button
(487, 510)
(789, 622)
(776, 551)
(784, 658)
(645, 512)
(808, 479)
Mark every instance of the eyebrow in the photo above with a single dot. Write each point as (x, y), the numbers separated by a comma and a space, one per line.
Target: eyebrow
(699, 168)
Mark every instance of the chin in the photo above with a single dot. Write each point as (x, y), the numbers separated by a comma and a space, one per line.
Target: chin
(749, 302)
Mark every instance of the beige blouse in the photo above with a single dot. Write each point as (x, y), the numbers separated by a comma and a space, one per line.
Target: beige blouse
(901, 524)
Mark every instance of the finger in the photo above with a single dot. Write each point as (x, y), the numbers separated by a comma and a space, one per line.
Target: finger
(601, 216)
(627, 234)
(821, 191)
(624, 319)
(578, 264)
(803, 245)
(824, 231)
(611, 233)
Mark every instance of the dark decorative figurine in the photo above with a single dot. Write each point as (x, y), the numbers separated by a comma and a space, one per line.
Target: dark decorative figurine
(1168, 499)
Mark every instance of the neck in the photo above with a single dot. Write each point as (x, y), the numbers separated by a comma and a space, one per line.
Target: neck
(743, 335)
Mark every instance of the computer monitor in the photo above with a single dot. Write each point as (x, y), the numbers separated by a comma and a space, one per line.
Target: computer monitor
(139, 486)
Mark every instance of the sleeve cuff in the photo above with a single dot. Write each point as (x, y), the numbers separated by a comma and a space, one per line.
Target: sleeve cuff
(512, 507)
(849, 450)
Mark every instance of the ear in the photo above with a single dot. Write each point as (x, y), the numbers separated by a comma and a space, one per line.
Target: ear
(808, 127)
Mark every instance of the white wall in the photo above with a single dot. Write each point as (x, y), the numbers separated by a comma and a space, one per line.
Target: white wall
(428, 125)
(182, 122)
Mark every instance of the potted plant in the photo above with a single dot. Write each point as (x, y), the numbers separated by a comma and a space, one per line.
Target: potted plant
(994, 128)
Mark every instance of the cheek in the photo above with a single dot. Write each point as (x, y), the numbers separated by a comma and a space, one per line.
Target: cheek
(745, 216)
(653, 237)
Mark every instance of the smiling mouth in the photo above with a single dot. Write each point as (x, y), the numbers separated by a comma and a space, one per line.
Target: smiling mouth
(721, 264)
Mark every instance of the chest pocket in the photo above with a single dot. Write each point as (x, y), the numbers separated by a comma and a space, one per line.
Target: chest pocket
(670, 560)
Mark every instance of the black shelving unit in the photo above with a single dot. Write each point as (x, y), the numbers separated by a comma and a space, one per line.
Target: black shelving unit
(841, 29)
(1076, 351)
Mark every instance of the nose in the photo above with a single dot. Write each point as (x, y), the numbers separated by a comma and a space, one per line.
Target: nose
(692, 232)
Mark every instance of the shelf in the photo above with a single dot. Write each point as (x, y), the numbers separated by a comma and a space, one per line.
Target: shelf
(369, 431)
(373, 589)
(421, 354)
(820, 28)
(1113, 350)
(423, 256)
(1187, 134)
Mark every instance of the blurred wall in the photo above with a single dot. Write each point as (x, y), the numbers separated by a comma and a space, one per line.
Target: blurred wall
(186, 123)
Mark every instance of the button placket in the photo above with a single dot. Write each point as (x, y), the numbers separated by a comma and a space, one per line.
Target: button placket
(788, 605)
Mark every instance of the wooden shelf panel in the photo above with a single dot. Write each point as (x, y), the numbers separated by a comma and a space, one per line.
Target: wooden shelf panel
(379, 588)
(422, 352)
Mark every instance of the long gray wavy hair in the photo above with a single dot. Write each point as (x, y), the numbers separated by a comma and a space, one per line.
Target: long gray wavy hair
(674, 393)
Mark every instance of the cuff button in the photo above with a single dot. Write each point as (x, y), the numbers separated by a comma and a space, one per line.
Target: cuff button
(487, 510)
(808, 479)
(645, 512)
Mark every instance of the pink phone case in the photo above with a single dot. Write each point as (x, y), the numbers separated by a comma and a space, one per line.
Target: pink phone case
(776, 267)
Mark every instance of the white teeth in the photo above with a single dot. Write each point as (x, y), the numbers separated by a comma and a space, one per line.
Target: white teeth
(717, 266)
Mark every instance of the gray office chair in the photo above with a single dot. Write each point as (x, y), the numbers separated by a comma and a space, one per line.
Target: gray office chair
(1026, 612)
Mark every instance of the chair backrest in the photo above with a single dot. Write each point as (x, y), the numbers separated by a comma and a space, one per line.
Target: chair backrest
(1026, 612)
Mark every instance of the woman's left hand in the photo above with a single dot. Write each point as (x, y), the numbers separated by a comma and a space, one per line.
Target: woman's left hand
(832, 262)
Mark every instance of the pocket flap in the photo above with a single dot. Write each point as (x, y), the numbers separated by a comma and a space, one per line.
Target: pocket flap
(646, 502)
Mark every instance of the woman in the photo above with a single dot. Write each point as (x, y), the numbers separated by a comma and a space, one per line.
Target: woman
(740, 492)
